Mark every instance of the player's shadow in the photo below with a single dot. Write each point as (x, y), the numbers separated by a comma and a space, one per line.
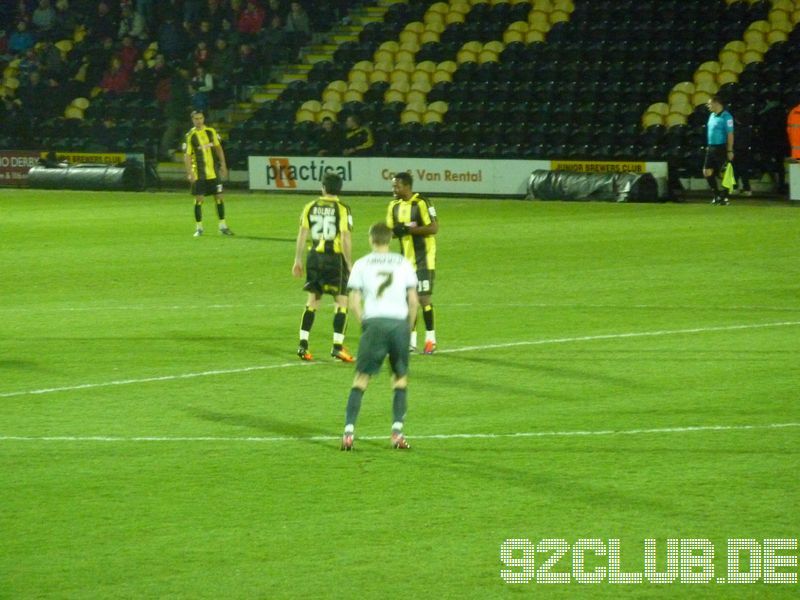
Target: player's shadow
(260, 238)
(277, 427)
(27, 365)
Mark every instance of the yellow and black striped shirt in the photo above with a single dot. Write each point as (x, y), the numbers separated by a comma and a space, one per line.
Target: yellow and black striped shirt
(200, 146)
(419, 249)
(326, 218)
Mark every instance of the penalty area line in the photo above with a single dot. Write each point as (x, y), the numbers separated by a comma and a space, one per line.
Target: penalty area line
(564, 340)
(434, 437)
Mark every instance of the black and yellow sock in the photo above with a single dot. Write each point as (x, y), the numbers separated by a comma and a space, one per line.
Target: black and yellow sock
(339, 320)
(307, 322)
(221, 210)
(399, 406)
(353, 406)
(427, 314)
(198, 213)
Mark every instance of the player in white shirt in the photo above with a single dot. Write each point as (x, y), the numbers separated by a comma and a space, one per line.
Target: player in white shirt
(386, 284)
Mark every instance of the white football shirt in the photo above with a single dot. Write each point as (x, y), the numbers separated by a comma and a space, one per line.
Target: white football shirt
(383, 278)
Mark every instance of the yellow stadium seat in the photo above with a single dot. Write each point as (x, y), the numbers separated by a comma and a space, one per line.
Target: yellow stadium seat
(762, 26)
(80, 102)
(752, 36)
(353, 96)
(709, 65)
(724, 77)
(796, 17)
(752, 56)
(383, 56)
(304, 115)
(709, 87)
(385, 65)
(495, 46)
(660, 108)
(429, 37)
(332, 105)
(10, 72)
(700, 98)
(96, 91)
(737, 46)
(683, 108)
(410, 116)
(401, 86)
(543, 5)
(465, 56)
(534, 36)
(510, 37)
(703, 76)
(459, 6)
(416, 26)
(326, 114)
(421, 76)
(519, 26)
(439, 106)
(420, 86)
(73, 112)
(679, 97)
(377, 76)
(435, 26)
(539, 19)
(313, 105)
(487, 56)
(761, 47)
(358, 86)
(684, 86)
(773, 37)
(447, 65)
(64, 46)
(473, 46)
(785, 5)
(330, 94)
(454, 17)
(439, 7)
(364, 65)
(426, 65)
(650, 118)
(397, 76)
(357, 76)
(566, 5)
(392, 95)
(416, 96)
(409, 36)
(558, 16)
(733, 65)
(11, 83)
(417, 106)
(338, 85)
(440, 76)
(390, 46)
(403, 56)
(675, 118)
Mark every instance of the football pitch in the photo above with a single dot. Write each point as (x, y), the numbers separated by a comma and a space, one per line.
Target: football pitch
(606, 374)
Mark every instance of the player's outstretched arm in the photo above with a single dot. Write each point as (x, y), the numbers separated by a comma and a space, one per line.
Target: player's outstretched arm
(299, 250)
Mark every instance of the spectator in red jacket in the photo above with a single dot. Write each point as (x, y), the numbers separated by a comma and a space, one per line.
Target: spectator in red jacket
(251, 21)
(128, 54)
(116, 80)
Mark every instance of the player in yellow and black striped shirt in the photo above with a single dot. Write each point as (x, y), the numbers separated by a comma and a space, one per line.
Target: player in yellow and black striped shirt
(202, 145)
(326, 223)
(412, 218)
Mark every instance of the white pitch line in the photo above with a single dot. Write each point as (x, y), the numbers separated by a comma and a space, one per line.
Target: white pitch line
(565, 340)
(440, 436)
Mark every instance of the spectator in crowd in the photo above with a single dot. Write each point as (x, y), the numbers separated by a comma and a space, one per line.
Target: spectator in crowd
(331, 138)
(103, 24)
(44, 18)
(34, 95)
(103, 135)
(147, 10)
(358, 139)
(128, 53)
(51, 61)
(251, 20)
(175, 112)
(66, 20)
(201, 86)
(23, 10)
(171, 38)
(99, 59)
(141, 78)
(202, 55)
(132, 23)
(116, 79)
(245, 70)
(214, 13)
(192, 9)
(298, 27)
(4, 55)
(772, 141)
(205, 33)
(742, 149)
(21, 40)
(162, 78)
(273, 40)
(220, 65)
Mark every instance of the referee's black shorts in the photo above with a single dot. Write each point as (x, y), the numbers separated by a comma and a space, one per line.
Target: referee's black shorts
(716, 157)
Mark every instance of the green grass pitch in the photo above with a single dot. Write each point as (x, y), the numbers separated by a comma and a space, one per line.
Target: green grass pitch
(604, 371)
